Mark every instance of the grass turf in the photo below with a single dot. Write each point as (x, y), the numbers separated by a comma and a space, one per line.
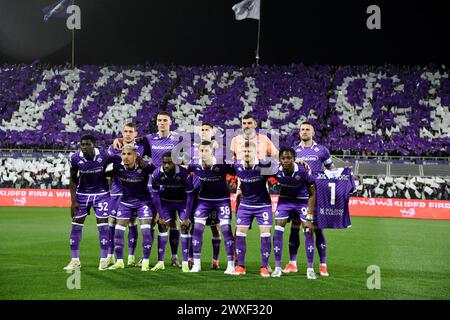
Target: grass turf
(413, 256)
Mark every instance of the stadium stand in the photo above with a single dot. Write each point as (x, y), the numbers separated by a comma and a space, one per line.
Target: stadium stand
(365, 115)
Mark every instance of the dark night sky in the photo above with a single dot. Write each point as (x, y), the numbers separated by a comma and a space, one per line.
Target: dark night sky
(198, 32)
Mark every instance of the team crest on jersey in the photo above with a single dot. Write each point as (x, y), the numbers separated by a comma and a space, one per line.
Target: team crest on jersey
(297, 177)
(139, 170)
(216, 169)
(99, 160)
(80, 162)
(197, 213)
(316, 149)
(277, 213)
(178, 178)
(119, 213)
(238, 220)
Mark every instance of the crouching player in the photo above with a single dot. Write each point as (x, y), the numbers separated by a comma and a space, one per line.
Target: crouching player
(172, 195)
(89, 189)
(134, 174)
(293, 178)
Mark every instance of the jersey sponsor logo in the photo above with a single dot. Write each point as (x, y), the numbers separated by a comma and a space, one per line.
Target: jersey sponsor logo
(162, 147)
(308, 158)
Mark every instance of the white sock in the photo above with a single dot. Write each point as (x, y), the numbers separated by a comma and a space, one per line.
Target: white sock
(145, 260)
(197, 262)
(119, 260)
(76, 259)
(102, 259)
(110, 255)
(231, 264)
(293, 262)
(130, 257)
(174, 256)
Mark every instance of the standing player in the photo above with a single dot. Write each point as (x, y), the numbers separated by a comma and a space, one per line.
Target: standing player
(134, 176)
(206, 134)
(158, 144)
(129, 133)
(265, 147)
(213, 196)
(89, 188)
(316, 156)
(172, 196)
(293, 178)
(255, 203)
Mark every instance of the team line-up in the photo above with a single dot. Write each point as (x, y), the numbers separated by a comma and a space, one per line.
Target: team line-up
(182, 199)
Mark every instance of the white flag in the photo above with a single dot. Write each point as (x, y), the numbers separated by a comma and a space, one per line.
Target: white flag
(247, 9)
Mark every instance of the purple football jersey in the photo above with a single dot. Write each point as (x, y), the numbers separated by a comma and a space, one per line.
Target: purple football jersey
(212, 181)
(316, 156)
(253, 185)
(158, 146)
(134, 183)
(292, 186)
(333, 192)
(142, 150)
(172, 188)
(92, 179)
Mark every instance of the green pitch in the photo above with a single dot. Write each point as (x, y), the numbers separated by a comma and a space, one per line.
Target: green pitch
(413, 256)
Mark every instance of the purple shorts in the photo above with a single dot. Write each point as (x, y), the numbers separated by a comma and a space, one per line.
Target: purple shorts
(213, 211)
(141, 209)
(97, 201)
(114, 202)
(171, 209)
(293, 209)
(246, 213)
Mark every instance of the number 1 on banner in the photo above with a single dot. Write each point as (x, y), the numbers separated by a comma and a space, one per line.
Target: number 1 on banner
(332, 185)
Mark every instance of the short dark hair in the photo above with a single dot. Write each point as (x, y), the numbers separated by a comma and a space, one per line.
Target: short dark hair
(167, 154)
(88, 137)
(207, 124)
(206, 143)
(164, 113)
(308, 123)
(248, 116)
(131, 125)
(288, 150)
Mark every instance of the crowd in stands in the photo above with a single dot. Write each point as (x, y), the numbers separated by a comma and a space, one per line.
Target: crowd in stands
(375, 110)
(356, 110)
